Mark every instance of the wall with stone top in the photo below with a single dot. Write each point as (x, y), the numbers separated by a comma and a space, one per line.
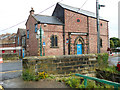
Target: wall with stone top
(83, 64)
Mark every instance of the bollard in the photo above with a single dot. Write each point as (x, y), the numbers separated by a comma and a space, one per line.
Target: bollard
(1, 60)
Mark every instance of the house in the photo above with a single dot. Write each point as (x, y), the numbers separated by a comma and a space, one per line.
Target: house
(68, 31)
(21, 41)
(7, 43)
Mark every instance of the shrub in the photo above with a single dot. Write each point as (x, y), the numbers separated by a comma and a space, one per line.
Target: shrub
(72, 82)
(79, 83)
(102, 59)
(10, 56)
(111, 69)
(28, 75)
(42, 75)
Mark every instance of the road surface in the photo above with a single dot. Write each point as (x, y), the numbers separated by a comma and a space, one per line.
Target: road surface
(113, 61)
(10, 70)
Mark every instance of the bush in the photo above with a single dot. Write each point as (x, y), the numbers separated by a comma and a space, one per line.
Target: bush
(30, 75)
(102, 59)
(72, 82)
(79, 83)
(10, 56)
(111, 69)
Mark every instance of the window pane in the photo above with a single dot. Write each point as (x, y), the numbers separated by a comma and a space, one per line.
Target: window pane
(35, 27)
(18, 40)
(28, 34)
(56, 42)
(100, 42)
(52, 40)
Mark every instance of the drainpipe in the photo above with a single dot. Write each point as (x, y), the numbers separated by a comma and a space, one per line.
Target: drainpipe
(63, 39)
(88, 51)
(69, 47)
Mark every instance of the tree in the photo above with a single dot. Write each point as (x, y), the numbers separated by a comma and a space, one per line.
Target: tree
(118, 45)
(115, 41)
(111, 44)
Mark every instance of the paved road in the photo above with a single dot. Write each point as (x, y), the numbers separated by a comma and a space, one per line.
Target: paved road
(113, 60)
(10, 70)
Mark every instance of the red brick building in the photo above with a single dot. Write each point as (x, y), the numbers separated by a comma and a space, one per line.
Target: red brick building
(21, 40)
(7, 41)
(69, 30)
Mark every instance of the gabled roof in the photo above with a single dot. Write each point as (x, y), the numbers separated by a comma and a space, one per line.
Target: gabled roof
(80, 11)
(47, 19)
(22, 31)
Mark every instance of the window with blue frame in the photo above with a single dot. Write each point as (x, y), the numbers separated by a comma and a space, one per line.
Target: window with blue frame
(27, 34)
(18, 40)
(35, 27)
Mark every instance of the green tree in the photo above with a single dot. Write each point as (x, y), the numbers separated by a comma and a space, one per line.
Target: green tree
(111, 44)
(118, 43)
(115, 41)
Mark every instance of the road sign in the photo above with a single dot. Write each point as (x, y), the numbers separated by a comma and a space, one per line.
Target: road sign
(37, 36)
(38, 31)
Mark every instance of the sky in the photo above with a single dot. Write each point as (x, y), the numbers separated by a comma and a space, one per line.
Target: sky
(13, 12)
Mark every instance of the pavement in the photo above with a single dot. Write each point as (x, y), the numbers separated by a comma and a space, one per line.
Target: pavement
(43, 83)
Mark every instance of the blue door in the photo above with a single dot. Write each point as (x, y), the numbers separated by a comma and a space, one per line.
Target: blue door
(23, 53)
(79, 49)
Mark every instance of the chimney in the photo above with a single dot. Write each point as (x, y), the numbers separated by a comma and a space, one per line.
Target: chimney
(31, 11)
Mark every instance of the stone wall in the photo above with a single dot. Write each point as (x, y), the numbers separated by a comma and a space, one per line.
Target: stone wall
(84, 64)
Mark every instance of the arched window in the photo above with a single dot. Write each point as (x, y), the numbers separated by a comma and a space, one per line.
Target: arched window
(54, 41)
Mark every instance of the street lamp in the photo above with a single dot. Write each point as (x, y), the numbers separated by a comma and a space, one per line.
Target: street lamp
(98, 28)
(39, 32)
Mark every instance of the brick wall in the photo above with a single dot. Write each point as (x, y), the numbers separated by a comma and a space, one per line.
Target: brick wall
(93, 35)
(50, 30)
(71, 25)
(33, 44)
(84, 64)
(86, 25)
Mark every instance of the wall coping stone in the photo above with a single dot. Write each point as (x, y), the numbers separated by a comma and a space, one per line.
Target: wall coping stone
(59, 57)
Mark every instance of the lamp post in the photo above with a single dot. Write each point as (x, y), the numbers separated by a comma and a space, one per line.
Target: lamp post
(40, 41)
(39, 33)
(98, 28)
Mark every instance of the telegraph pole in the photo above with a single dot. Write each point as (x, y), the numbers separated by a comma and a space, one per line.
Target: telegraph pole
(98, 28)
(98, 25)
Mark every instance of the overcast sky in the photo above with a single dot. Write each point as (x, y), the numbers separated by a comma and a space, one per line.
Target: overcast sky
(13, 12)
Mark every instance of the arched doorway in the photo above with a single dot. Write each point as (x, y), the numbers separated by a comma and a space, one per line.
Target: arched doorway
(79, 45)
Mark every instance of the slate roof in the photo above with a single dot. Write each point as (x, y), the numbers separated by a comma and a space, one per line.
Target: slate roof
(22, 31)
(78, 10)
(47, 19)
